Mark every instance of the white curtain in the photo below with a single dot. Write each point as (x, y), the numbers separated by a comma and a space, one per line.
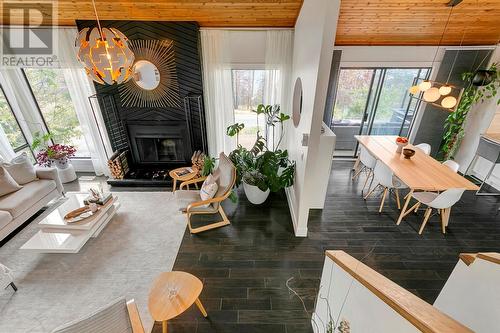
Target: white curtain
(80, 88)
(279, 57)
(217, 88)
(6, 151)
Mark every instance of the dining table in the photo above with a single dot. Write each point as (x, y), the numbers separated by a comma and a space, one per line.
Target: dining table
(421, 172)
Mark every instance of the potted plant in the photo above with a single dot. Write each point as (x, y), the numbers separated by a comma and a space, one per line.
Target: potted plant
(477, 90)
(49, 154)
(263, 169)
(255, 187)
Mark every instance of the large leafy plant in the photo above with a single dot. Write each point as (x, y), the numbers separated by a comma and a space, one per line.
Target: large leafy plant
(262, 166)
(455, 123)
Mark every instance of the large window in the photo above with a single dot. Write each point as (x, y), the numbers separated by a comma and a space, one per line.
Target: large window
(10, 126)
(248, 93)
(51, 93)
(373, 101)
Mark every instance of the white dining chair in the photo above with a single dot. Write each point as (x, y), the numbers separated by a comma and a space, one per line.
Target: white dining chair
(386, 179)
(441, 201)
(425, 147)
(452, 165)
(367, 164)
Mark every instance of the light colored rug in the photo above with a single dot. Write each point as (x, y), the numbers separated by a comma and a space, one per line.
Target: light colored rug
(141, 241)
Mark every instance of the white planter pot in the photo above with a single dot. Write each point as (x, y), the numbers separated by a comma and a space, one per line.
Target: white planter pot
(254, 194)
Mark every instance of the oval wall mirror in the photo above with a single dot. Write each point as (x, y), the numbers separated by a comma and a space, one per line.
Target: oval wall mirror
(297, 102)
(146, 75)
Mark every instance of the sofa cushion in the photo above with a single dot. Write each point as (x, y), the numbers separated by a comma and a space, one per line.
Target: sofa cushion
(21, 169)
(7, 183)
(5, 218)
(18, 202)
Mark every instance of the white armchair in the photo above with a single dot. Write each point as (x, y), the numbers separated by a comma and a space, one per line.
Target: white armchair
(6, 278)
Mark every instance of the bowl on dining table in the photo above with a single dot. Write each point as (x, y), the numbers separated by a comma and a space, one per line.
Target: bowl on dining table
(408, 153)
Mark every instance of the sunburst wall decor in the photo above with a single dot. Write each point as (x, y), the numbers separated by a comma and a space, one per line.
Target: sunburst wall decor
(154, 82)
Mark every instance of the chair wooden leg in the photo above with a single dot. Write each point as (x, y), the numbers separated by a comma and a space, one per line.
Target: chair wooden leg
(366, 180)
(358, 172)
(200, 306)
(427, 214)
(407, 202)
(443, 218)
(164, 326)
(411, 209)
(371, 191)
(356, 164)
(417, 206)
(397, 198)
(174, 186)
(383, 200)
(225, 221)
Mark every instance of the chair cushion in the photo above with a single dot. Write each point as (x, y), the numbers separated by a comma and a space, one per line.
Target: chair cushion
(21, 169)
(186, 197)
(112, 318)
(5, 218)
(425, 197)
(208, 189)
(18, 202)
(7, 183)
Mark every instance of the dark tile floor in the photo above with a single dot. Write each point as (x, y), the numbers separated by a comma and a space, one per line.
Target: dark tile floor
(245, 266)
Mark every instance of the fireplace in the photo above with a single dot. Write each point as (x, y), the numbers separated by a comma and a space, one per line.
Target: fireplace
(160, 143)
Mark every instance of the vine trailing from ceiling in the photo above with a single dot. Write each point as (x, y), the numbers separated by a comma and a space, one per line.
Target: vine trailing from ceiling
(472, 94)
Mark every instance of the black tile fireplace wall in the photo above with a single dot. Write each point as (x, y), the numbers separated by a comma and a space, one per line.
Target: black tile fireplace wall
(186, 123)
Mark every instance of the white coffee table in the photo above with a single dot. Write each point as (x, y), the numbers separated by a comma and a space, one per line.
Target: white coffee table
(58, 236)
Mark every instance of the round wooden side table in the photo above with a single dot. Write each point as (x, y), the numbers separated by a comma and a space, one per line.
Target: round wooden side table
(175, 176)
(172, 294)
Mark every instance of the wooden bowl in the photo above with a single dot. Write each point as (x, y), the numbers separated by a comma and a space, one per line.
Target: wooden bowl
(408, 153)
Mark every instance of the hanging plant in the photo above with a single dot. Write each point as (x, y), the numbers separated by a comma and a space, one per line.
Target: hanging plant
(472, 94)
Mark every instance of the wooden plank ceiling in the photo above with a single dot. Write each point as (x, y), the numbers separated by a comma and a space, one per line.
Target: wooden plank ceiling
(361, 22)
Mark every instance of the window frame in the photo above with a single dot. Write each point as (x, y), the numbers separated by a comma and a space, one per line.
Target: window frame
(26, 145)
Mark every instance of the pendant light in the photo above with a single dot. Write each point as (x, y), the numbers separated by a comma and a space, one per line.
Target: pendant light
(439, 94)
(105, 54)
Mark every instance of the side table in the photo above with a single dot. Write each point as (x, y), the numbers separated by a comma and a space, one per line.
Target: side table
(172, 294)
(182, 178)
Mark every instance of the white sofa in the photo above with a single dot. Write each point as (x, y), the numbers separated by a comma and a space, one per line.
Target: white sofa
(17, 207)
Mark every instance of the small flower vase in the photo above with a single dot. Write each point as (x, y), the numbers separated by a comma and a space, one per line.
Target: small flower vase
(61, 163)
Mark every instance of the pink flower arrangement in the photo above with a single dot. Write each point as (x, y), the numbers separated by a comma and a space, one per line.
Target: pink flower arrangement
(45, 157)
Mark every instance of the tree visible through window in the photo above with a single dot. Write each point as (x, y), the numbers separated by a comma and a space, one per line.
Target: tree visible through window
(51, 92)
(9, 125)
(248, 92)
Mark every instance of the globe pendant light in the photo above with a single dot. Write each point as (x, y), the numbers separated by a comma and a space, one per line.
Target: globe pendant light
(444, 90)
(431, 95)
(105, 54)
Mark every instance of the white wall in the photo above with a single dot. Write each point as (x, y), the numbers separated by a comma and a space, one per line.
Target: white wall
(313, 49)
(471, 295)
(364, 311)
(478, 121)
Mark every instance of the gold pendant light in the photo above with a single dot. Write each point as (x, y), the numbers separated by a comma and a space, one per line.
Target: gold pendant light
(105, 54)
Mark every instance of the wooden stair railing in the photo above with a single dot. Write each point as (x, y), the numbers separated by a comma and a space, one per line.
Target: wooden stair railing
(419, 313)
(469, 258)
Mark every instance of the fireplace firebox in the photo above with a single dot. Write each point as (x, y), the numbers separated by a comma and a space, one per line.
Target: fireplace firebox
(159, 143)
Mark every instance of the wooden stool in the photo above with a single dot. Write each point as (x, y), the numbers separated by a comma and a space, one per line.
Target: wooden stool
(172, 294)
(188, 176)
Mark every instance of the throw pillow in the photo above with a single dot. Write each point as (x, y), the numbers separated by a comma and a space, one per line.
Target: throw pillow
(208, 189)
(21, 169)
(7, 183)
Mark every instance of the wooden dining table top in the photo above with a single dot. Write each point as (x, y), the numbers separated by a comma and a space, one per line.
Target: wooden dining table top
(421, 172)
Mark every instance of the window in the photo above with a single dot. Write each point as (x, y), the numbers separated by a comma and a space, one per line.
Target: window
(373, 101)
(54, 100)
(10, 126)
(248, 93)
